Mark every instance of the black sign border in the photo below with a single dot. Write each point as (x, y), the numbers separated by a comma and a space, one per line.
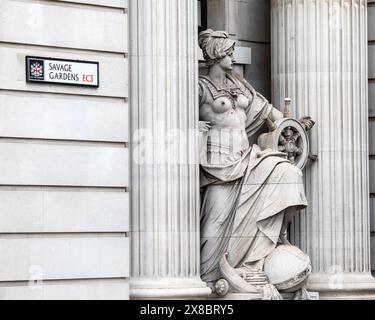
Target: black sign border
(28, 80)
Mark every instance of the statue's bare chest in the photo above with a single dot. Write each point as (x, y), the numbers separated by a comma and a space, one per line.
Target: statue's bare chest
(225, 98)
(224, 103)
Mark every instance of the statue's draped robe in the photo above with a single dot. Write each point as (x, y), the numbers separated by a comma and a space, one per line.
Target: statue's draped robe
(244, 198)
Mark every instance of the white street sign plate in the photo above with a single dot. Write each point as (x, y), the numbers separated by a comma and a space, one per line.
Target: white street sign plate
(62, 71)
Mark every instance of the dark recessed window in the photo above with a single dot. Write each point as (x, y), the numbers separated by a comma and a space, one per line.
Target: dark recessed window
(202, 15)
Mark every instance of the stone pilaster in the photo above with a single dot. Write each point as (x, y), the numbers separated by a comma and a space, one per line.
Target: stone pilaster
(165, 253)
(319, 59)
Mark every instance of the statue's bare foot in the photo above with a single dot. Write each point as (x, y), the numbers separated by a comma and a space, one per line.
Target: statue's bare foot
(270, 293)
(302, 294)
(284, 239)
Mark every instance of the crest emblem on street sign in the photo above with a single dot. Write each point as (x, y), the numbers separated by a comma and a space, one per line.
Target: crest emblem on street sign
(36, 69)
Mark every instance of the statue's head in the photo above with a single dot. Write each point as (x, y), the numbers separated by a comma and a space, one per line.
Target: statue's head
(217, 48)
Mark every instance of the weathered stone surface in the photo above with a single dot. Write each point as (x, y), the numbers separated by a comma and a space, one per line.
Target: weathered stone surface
(320, 62)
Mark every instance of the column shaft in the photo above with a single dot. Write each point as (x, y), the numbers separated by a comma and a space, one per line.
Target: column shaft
(319, 60)
(165, 172)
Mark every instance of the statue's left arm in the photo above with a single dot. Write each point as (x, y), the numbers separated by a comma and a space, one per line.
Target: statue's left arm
(259, 111)
(275, 114)
(306, 122)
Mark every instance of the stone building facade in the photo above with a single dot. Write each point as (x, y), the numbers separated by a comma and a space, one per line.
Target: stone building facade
(64, 154)
(84, 212)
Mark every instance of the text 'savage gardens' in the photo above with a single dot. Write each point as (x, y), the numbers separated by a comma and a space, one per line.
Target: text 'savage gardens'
(62, 71)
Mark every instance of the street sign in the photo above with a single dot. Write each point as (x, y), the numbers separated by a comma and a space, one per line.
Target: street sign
(62, 71)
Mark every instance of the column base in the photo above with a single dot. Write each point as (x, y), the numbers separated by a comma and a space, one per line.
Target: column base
(168, 289)
(346, 286)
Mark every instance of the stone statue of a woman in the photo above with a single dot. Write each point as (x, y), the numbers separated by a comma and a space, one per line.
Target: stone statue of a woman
(247, 193)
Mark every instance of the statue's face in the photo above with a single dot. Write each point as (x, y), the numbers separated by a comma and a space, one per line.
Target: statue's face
(227, 62)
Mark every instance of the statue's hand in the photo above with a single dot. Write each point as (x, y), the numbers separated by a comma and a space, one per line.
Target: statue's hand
(302, 294)
(204, 126)
(307, 122)
(284, 239)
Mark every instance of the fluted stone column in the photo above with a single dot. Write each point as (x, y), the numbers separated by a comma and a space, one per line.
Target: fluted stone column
(165, 253)
(319, 60)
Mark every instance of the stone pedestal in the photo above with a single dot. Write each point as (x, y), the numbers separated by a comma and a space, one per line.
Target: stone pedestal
(319, 60)
(254, 296)
(165, 250)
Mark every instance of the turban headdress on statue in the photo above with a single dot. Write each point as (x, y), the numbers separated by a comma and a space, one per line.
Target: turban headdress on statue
(215, 45)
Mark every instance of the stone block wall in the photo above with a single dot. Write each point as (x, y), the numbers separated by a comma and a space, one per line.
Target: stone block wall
(64, 174)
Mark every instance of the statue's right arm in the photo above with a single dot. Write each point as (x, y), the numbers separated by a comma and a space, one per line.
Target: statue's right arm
(204, 126)
(202, 94)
